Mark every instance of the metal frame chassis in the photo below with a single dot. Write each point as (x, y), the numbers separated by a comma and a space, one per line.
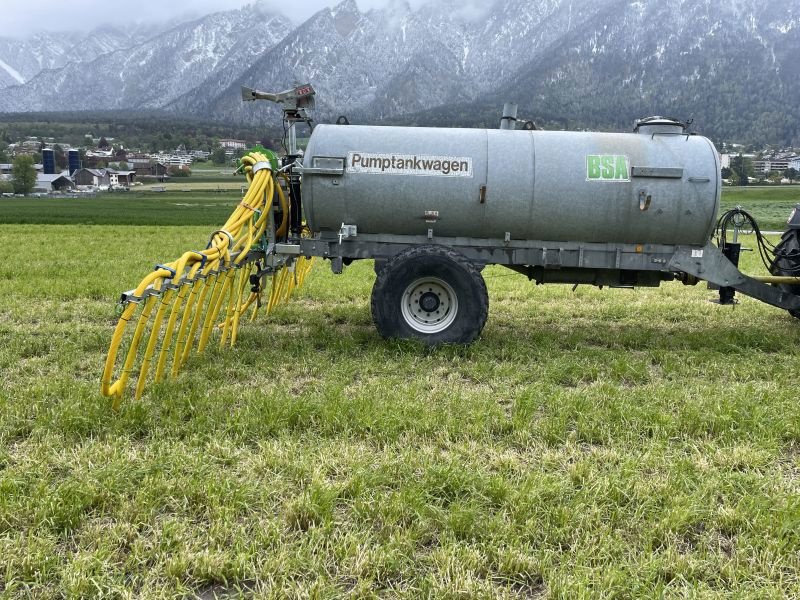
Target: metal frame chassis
(702, 262)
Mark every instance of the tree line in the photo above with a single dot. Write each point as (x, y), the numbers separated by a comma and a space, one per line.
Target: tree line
(148, 132)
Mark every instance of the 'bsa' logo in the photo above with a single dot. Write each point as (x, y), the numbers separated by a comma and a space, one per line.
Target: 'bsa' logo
(607, 167)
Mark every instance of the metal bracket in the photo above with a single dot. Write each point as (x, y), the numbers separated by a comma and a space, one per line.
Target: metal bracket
(347, 231)
(326, 165)
(287, 248)
(260, 166)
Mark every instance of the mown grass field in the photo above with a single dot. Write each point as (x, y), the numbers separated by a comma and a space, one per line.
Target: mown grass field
(199, 184)
(195, 201)
(771, 205)
(596, 443)
(122, 208)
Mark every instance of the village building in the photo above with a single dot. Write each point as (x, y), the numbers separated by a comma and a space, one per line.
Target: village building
(32, 145)
(91, 178)
(121, 178)
(174, 160)
(8, 168)
(149, 168)
(233, 144)
(770, 163)
(52, 183)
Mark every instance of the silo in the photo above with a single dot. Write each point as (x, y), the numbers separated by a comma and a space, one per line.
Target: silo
(49, 161)
(74, 158)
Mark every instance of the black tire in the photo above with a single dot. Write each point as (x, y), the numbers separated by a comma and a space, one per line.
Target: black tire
(430, 293)
(379, 264)
(787, 262)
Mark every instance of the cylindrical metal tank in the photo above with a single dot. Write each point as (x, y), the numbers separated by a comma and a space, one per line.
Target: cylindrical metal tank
(74, 161)
(49, 161)
(657, 185)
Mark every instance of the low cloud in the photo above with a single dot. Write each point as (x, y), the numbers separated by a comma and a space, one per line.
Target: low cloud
(21, 18)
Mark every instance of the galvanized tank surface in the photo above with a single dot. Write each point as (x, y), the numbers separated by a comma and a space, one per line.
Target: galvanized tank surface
(658, 185)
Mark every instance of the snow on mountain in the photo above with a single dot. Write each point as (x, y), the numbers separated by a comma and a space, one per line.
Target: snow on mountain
(588, 62)
(149, 74)
(21, 60)
(733, 67)
(396, 60)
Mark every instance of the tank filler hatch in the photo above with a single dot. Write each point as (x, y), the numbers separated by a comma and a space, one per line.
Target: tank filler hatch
(656, 124)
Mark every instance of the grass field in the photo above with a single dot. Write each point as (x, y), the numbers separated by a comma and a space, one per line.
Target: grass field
(122, 208)
(771, 206)
(210, 171)
(196, 201)
(199, 184)
(601, 443)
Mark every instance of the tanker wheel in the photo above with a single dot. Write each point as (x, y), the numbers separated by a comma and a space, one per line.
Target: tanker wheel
(430, 293)
(787, 262)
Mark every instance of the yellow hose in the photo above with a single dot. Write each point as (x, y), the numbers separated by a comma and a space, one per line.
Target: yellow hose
(199, 286)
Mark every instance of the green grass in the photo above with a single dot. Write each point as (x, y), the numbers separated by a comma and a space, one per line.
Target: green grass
(605, 443)
(212, 172)
(201, 204)
(123, 208)
(201, 184)
(770, 205)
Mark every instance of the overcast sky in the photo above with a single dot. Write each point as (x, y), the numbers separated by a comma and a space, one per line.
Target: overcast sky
(19, 18)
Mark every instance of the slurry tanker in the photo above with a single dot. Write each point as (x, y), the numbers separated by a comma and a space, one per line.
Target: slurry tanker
(432, 207)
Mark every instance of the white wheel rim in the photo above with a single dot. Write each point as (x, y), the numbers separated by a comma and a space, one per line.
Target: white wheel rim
(429, 305)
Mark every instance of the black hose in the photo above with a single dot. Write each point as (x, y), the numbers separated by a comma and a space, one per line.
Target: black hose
(767, 250)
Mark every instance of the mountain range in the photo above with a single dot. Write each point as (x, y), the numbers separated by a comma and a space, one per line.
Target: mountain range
(733, 67)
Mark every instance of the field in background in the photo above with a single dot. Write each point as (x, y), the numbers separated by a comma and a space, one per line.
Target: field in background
(770, 205)
(196, 201)
(610, 443)
(123, 208)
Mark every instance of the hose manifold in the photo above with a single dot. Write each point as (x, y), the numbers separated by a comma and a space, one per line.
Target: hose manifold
(177, 308)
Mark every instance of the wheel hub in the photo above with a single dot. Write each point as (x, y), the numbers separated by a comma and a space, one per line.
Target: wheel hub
(429, 305)
(429, 302)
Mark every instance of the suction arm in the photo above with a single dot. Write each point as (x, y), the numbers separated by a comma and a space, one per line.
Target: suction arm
(301, 96)
(248, 95)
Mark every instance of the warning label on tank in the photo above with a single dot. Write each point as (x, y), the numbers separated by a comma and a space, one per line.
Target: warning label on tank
(607, 167)
(409, 164)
